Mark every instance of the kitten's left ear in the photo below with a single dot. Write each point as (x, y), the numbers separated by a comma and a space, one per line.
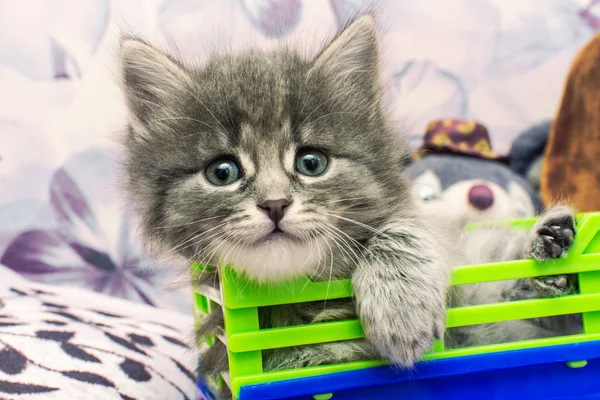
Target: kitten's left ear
(353, 56)
(151, 80)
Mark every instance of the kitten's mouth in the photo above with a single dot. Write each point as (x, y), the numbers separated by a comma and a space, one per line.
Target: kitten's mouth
(276, 235)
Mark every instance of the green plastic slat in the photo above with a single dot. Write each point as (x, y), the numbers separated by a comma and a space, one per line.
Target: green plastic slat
(244, 293)
(296, 336)
(524, 309)
(201, 303)
(524, 269)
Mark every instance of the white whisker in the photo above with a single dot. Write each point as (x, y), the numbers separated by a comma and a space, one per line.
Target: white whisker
(189, 223)
(187, 119)
(360, 224)
(195, 240)
(331, 226)
(333, 113)
(341, 93)
(342, 244)
(209, 111)
(347, 199)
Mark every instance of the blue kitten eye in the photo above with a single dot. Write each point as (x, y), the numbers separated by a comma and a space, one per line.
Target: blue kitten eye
(222, 172)
(311, 163)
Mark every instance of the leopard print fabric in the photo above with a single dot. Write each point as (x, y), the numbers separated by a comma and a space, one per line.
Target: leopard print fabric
(67, 343)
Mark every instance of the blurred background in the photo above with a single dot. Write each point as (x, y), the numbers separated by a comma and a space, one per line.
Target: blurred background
(501, 62)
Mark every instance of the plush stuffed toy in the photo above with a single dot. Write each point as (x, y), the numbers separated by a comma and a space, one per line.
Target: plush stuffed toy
(571, 169)
(459, 179)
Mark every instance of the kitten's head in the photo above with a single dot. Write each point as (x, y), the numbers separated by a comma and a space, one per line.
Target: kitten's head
(263, 160)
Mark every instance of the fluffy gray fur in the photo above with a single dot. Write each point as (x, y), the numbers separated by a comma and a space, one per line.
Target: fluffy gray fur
(357, 220)
(548, 239)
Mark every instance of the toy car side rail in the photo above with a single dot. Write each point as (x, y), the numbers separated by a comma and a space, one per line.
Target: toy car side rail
(245, 340)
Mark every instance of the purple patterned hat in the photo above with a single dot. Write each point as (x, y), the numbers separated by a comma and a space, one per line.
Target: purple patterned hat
(460, 137)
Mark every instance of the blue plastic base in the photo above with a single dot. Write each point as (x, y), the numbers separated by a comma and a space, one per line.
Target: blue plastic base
(550, 381)
(532, 374)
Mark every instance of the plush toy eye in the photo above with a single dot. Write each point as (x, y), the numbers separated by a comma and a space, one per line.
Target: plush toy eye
(311, 163)
(222, 172)
(426, 193)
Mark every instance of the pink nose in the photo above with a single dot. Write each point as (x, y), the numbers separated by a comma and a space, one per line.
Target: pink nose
(481, 197)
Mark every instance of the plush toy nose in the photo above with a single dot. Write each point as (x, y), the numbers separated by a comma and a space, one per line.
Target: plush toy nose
(481, 197)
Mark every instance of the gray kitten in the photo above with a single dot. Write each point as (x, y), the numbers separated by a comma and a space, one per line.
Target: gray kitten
(285, 167)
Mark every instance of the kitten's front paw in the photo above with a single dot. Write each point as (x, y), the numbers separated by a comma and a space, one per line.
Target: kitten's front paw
(405, 332)
(553, 234)
(555, 285)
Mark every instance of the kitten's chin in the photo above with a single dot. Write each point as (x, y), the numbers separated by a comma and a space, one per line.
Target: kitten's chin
(275, 259)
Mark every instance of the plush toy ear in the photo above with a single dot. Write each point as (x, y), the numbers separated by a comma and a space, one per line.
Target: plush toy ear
(352, 58)
(527, 152)
(151, 80)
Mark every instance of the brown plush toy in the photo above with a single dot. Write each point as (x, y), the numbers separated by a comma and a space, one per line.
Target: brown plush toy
(571, 168)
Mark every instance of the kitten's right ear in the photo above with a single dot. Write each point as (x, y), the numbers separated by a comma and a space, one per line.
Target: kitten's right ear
(151, 80)
(353, 56)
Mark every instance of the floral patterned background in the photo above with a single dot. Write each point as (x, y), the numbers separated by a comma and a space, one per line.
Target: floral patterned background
(501, 62)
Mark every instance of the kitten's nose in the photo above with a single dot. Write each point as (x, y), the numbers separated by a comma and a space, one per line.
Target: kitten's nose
(481, 197)
(275, 209)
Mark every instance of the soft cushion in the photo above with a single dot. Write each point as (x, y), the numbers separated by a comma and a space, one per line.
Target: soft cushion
(59, 342)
